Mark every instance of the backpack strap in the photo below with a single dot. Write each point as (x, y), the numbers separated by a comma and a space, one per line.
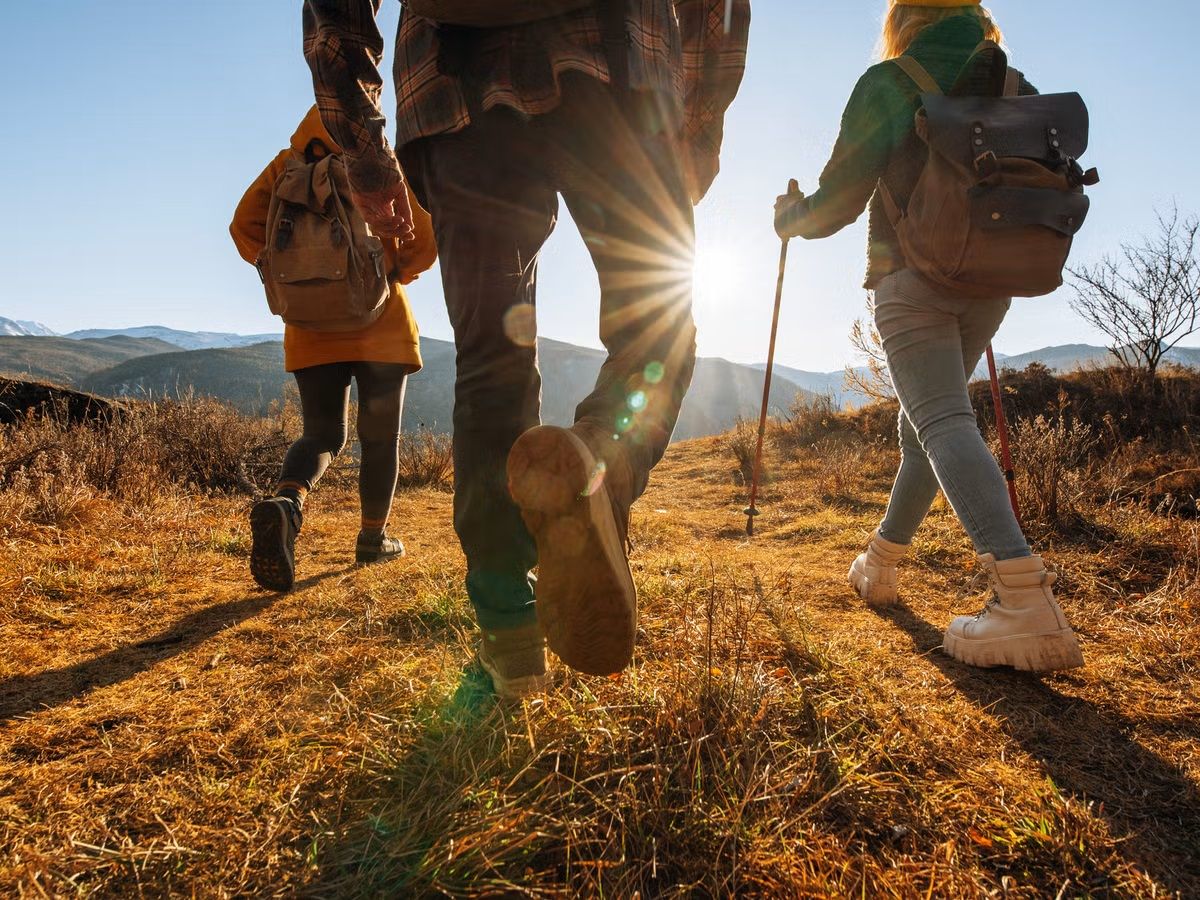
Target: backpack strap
(1012, 82)
(918, 74)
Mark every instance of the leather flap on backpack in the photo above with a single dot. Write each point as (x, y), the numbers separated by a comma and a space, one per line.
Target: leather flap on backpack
(310, 264)
(295, 184)
(1038, 127)
(1008, 207)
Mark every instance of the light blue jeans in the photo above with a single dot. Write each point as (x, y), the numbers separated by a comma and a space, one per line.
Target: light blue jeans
(933, 343)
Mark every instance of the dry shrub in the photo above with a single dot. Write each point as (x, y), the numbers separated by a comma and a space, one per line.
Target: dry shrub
(50, 488)
(51, 469)
(742, 442)
(809, 420)
(1049, 456)
(426, 460)
(839, 470)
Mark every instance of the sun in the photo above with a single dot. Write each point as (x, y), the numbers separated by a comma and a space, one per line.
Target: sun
(719, 276)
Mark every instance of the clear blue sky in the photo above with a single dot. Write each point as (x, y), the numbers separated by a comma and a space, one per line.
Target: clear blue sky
(131, 128)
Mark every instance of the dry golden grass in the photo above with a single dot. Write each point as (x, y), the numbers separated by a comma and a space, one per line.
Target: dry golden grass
(167, 728)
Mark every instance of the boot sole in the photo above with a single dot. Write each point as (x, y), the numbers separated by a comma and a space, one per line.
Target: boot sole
(880, 596)
(585, 596)
(271, 562)
(369, 557)
(515, 688)
(1047, 652)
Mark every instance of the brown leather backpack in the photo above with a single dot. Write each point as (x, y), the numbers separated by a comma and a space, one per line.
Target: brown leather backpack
(322, 267)
(1000, 199)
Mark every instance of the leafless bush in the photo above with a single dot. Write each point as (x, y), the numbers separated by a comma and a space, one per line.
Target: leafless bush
(839, 470)
(426, 460)
(741, 443)
(1049, 456)
(51, 467)
(810, 420)
(1147, 299)
(871, 379)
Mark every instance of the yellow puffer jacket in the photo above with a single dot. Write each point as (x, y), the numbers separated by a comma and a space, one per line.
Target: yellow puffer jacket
(392, 338)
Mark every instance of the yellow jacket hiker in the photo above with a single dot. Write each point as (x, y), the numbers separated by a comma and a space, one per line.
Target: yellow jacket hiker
(379, 358)
(391, 339)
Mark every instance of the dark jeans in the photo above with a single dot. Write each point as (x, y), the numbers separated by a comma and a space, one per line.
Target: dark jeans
(492, 190)
(325, 402)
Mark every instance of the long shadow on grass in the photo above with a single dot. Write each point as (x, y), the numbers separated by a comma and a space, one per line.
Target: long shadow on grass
(389, 851)
(43, 690)
(1148, 802)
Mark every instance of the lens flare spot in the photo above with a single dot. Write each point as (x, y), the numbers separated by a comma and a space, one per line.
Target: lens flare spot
(654, 372)
(624, 422)
(636, 401)
(520, 325)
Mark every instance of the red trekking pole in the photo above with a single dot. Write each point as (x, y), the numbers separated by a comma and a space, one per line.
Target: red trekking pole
(751, 510)
(1002, 429)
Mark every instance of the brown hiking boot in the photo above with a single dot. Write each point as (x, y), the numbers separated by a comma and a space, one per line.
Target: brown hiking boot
(586, 600)
(516, 660)
(375, 548)
(274, 524)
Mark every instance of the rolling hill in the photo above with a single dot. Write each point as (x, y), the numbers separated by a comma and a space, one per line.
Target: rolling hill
(252, 377)
(65, 361)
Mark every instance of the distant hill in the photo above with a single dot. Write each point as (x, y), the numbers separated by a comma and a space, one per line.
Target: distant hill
(67, 361)
(17, 328)
(249, 377)
(184, 340)
(252, 377)
(1065, 358)
(1072, 357)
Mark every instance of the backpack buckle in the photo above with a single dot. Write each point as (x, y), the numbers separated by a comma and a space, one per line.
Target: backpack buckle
(986, 164)
(283, 233)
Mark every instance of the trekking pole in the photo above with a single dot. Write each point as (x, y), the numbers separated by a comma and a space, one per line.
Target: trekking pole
(1002, 429)
(751, 510)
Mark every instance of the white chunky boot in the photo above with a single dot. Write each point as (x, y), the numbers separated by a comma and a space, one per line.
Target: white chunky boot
(1022, 625)
(873, 574)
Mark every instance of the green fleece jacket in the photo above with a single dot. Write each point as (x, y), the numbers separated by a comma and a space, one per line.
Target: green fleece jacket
(878, 139)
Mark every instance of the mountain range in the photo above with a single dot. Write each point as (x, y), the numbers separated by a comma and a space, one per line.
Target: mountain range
(247, 370)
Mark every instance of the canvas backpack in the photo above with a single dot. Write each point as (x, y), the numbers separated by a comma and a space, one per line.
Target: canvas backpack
(492, 13)
(1000, 198)
(322, 267)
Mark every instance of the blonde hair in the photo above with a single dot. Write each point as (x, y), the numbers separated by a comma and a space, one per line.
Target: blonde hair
(903, 23)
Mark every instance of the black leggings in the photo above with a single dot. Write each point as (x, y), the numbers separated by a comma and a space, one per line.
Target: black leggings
(325, 402)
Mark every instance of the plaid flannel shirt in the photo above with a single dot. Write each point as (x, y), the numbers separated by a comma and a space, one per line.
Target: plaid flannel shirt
(679, 49)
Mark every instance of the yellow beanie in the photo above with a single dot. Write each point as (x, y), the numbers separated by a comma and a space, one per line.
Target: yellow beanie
(941, 4)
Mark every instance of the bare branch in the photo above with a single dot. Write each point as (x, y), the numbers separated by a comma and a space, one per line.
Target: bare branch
(871, 379)
(1147, 299)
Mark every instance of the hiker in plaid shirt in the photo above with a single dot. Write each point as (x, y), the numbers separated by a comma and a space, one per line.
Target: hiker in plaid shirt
(618, 107)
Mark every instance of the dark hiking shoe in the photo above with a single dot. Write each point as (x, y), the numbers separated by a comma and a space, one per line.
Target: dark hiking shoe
(585, 596)
(274, 524)
(516, 661)
(377, 548)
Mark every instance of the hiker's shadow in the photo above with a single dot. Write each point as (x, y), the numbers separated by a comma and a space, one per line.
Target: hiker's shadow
(24, 694)
(417, 803)
(1151, 806)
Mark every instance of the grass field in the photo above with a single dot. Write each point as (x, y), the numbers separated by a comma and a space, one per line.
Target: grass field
(167, 728)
